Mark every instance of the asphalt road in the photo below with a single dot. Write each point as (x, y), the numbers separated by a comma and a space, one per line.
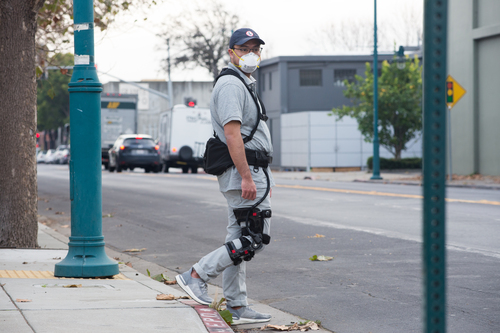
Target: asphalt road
(373, 231)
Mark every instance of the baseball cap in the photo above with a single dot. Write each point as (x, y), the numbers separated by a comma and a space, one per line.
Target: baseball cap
(243, 35)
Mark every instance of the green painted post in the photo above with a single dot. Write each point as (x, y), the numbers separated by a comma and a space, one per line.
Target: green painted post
(434, 165)
(376, 158)
(86, 256)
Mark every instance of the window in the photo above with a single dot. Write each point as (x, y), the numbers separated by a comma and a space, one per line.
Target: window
(270, 81)
(136, 141)
(339, 75)
(311, 78)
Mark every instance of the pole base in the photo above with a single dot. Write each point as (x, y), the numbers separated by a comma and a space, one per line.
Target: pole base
(87, 259)
(376, 177)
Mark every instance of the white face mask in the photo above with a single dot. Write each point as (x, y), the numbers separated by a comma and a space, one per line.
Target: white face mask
(249, 62)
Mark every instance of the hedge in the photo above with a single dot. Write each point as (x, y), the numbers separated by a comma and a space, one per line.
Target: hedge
(391, 163)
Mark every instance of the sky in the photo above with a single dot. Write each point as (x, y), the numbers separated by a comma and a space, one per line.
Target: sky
(131, 50)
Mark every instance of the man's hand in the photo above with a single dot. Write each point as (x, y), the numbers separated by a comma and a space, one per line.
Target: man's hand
(232, 132)
(248, 189)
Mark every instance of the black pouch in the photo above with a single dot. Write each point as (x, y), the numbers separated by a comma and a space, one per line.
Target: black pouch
(216, 159)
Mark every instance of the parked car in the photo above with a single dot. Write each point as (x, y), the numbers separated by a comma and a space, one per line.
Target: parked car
(50, 156)
(62, 155)
(40, 157)
(134, 151)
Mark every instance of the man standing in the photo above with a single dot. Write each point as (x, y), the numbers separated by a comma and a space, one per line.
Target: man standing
(236, 113)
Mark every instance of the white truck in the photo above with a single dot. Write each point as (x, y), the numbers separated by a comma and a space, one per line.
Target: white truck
(183, 133)
(118, 116)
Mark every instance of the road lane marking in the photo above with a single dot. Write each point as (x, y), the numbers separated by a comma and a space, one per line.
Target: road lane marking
(376, 193)
(386, 194)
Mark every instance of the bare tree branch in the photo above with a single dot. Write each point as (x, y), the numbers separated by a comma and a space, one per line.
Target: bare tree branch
(202, 39)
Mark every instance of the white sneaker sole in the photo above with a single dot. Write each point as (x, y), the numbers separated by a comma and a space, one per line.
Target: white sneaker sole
(248, 321)
(184, 286)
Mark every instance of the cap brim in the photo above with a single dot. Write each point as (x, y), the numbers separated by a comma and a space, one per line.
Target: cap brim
(246, 39)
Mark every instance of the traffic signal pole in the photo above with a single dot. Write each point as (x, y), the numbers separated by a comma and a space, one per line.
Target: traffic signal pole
(86, 256)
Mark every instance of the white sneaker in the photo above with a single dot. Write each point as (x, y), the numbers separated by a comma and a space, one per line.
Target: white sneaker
(245, 315)
(196, 288)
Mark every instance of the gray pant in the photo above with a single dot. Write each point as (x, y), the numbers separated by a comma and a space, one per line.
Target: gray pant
(218, 261)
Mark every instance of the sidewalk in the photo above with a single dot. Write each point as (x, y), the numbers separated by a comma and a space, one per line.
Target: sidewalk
(401, 177)
(33, 300)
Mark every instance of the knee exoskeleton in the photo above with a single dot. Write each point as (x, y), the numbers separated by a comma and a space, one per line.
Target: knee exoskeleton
(252, 237)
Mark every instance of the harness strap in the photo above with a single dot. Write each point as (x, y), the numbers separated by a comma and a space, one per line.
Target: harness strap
(261, 109)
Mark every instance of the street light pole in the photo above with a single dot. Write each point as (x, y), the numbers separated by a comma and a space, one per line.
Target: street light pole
(376, 158)
(170, 90)
(86, 256)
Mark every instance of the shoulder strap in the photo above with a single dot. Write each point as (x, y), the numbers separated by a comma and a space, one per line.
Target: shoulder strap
(261, 112)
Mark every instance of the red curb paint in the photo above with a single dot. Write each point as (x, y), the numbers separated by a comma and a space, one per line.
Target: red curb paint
(210, 318)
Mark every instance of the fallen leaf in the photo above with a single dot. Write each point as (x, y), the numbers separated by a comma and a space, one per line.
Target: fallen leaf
(20, 300)
(57, 258)
(318, 236)
(320, 258)
(276, 327)
(108, 215)
(24, 263)
(163, 297)
(170, 297)
(116, 258)
(170, 282)
(72, 286)
(227, 316)
(60, 213)
(129, 264)
(135, 250)
(48, 208)
(310, 325)
(65, 226)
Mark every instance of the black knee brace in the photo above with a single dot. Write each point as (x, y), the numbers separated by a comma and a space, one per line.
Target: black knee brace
(251, 222)
(245, 252)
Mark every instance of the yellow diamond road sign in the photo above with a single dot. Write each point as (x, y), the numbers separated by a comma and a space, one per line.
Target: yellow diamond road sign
(454, 92)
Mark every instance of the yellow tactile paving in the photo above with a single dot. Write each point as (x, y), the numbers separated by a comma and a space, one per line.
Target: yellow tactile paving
(11, 274)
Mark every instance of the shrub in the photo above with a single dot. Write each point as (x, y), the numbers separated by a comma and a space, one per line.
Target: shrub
(391, 163)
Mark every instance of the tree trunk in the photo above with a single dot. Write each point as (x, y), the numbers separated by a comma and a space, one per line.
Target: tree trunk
(18, 187)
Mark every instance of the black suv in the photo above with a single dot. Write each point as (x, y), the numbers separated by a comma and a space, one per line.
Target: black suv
(134, 150)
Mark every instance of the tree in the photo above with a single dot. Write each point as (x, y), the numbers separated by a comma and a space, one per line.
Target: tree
(53, 95)
(404, 26)
(351, 36)
(18, 123)
(399, 104)
(202, 36)
(18, 194)
(55, 22)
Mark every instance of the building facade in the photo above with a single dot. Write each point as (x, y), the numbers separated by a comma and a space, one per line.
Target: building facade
(303, 84)
(473, 53)
(150, 105)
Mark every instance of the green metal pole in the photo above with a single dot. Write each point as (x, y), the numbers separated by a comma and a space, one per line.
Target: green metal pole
(376, 158)
(86, 256)
(434, 165)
